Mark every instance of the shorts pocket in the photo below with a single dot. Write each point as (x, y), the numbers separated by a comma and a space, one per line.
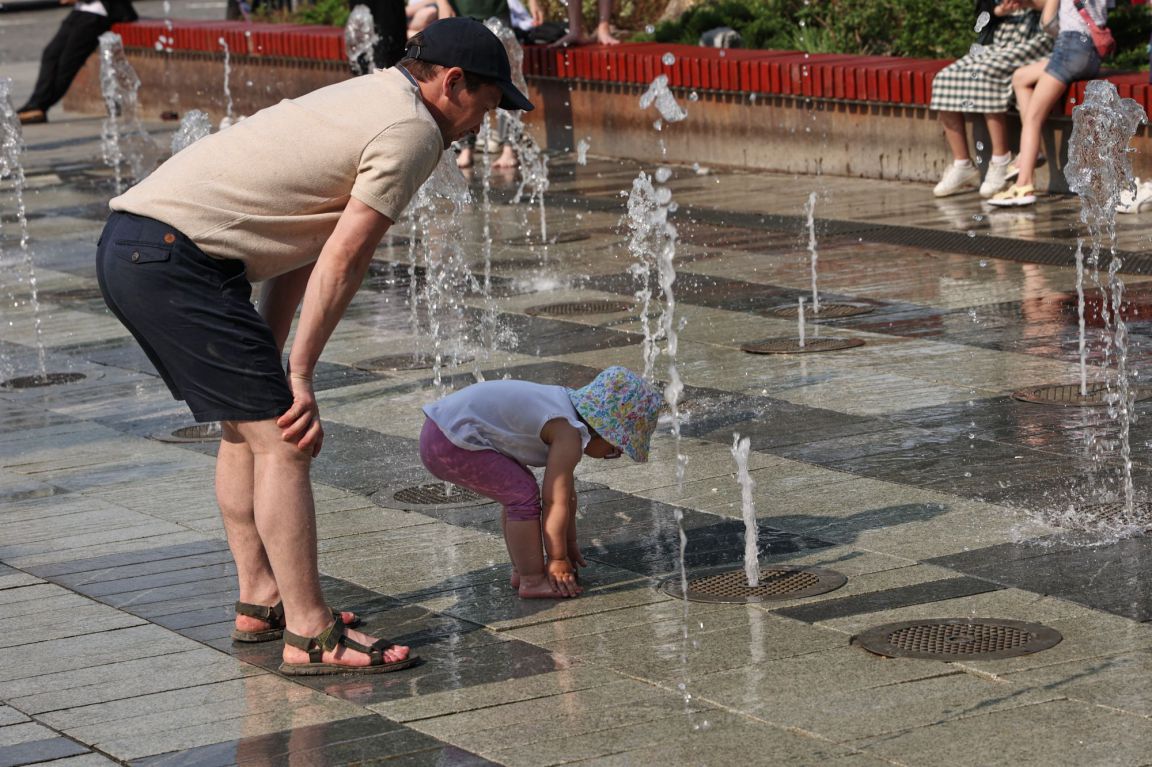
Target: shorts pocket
(142, 252)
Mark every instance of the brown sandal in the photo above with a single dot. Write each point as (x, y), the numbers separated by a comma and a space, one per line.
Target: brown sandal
(274, 617)
(332, 638)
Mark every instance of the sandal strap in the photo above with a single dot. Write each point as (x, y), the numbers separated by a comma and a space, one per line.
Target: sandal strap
(274, 615)
(328, 639)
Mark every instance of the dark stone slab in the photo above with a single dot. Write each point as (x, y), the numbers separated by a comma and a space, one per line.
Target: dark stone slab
(39, 751)
(890, 599)
(165, 583)
(1109, 578)
(359, 741)
(174, 568)
(106, 562)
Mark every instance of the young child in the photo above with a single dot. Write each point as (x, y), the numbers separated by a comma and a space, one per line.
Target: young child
(484, 437)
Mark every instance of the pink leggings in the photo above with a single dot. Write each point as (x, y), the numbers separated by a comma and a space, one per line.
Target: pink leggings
(487, 472)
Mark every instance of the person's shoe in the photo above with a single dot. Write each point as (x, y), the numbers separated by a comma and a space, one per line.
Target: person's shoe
(32, 116)
(1014, 197)
(956, 180)
(1133, 202)
(996, 178)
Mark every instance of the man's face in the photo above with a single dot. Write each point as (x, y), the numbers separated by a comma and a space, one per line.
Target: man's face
(465, 110)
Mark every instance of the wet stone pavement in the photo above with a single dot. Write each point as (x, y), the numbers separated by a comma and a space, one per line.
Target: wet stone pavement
(903, 464)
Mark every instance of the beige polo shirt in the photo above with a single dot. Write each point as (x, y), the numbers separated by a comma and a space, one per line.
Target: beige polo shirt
(269, 190)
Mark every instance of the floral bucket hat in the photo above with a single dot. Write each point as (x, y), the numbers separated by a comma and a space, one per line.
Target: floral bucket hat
(622, 407)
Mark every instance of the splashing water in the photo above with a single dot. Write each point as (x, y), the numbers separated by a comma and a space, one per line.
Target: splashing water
(360, 40)
(227, 120)
(800, 320)
(810, 214)
(194, 125)
(1099, 171)
(582, 147)
(659, 95)
(740, 450)
(11, 167)
(124, 140)
(1082, 336)
(445, 261)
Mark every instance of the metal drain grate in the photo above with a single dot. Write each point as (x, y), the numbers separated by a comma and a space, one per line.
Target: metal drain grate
(46, 379)
(578, 308)
(1068, 395)
(199, 432)
(390, 362)
(438, 494)
(776, 583)
(553, 239)
(957, 638)
(1103, 515)
(827, 311)
(792, 345)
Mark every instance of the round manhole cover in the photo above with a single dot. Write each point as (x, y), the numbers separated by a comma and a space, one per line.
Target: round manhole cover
(577, 308)
(390, 362)
(827, 311)
(792, 345)
(437, 494)
(197, 432)
(958, 639)
(41, 379)
(552, 239)
(1068, 395)
(776, 583)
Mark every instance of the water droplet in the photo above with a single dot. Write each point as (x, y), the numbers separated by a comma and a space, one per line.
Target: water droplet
(983, 263)
(967, 474)
(980, 146)
(649, 28)
(669, 59)
(693, 96)
(971, 233)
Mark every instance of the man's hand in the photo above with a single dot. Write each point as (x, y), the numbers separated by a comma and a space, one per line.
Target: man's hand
(563, 577)
(301, 423)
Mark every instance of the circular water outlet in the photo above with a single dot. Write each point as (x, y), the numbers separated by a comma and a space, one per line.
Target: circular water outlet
(724, 584)
(392, 362)
(579, 308)
(552, 239)
(827, 311)
(792, 345)
(199, 432)
(1068, 395)
(39, 380)
(957, 639)
(435, 495)
(1105, 516)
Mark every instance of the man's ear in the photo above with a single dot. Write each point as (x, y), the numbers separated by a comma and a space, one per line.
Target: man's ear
(453, 76)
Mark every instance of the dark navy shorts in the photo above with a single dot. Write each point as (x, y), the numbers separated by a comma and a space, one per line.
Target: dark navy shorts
(193, 316)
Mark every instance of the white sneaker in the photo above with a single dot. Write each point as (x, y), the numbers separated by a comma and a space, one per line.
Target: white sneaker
(1132, 203)
(956, 180)
(996, 178)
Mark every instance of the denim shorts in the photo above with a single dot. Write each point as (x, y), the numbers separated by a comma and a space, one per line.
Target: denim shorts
(193, 316)
(1073, 58)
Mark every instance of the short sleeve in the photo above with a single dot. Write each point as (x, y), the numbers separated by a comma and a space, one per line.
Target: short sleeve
(395, 164)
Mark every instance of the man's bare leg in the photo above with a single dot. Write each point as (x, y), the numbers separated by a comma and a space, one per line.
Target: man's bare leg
(285, 522)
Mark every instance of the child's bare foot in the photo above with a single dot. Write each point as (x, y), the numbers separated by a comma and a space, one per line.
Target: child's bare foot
(604, 34)
(572, 38)
(507, 158)
(345, 656)
(540, 588)
(464, 159)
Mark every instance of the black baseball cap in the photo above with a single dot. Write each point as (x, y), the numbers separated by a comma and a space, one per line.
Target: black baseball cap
(468, 44)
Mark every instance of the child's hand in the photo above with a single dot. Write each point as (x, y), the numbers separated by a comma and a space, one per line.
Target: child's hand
(562, 576)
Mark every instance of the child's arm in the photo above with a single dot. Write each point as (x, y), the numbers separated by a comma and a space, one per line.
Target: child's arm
(558, 492)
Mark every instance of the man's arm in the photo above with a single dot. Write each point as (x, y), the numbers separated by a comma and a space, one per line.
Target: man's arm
(334, 279)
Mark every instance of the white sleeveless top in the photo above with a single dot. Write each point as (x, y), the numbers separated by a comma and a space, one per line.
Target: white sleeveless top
(505, 416)
(1072, 21)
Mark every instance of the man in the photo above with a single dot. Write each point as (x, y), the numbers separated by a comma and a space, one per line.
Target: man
(78, 35)
(297, 196)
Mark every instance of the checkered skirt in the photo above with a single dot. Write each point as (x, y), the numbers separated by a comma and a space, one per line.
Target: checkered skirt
(982, 81)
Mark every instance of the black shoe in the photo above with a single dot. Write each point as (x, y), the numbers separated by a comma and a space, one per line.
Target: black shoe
(32, 116)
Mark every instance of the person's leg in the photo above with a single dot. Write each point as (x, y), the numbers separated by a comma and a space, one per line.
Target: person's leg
(1044, 95)
(997, 123)
(953, 125)
(604, 27)
(80, 36)
(1024, 82)
(285, 522)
